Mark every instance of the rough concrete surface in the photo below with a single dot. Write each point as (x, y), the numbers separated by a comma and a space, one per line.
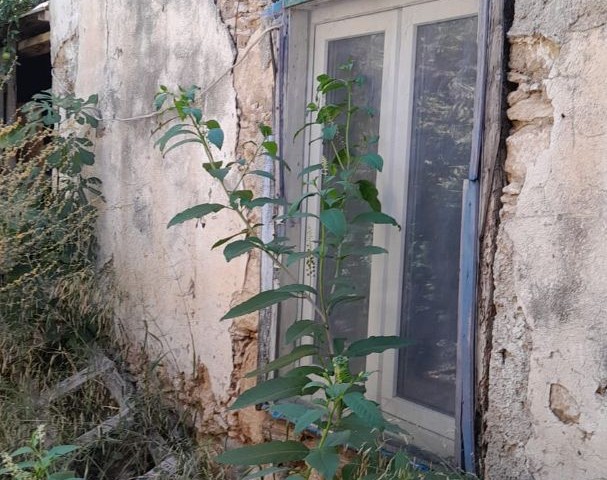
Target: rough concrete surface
(547, 416)
(172, 289)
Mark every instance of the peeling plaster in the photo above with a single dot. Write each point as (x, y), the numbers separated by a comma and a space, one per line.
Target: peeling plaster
(173, 289)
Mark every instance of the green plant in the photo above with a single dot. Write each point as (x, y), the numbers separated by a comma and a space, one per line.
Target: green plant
(52, 297)
(37, 462)
(338, 406)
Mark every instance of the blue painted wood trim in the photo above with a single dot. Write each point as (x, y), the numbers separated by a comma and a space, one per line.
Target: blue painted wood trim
(277, 7)
(465, 397)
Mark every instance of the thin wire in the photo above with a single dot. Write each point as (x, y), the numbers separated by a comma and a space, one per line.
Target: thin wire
(241, 58)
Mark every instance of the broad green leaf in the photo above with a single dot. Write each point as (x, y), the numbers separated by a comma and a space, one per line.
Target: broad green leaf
(267, 299)
(329, 132)
(262, 173)
(307, 419)
(335, 221)
(22, 451)
(361, 434)
(269, 452)
(271, 148)
(237, 248)
(375, 217)
(373, 160)
(61, 450)
(305, 371)
(174, 131)
(297, 476)
(159, 100)
(365, 409)
(294, 257)
(261, 201)
(370, 194)
(325, 460)
(195, 212)
(366, 346)
(270, 390)
(64, 476)
(242, 196)
(310, 169)
(302, 328)
(337, 390)
(265, 130)
(338, 438)
(211, 124)
(266, 471)
(216, 137)
(296, 205)
(291, 411)
(296, 354)
(219, 173)
(225, 240)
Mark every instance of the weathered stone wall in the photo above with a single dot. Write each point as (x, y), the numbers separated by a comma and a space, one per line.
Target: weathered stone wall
(172, 289)
(547, 415)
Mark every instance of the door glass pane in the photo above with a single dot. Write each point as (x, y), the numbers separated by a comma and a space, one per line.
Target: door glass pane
(350, 320)
(443, 103)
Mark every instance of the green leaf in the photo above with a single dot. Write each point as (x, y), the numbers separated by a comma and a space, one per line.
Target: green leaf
(307, 419)
(324, 460)
(262, 173)
(361, 434)
(367, 346)
(159, 100)
(22, 451)
(261, 201)
(237, 248)
(338, 438)
(265, 471)
(374, 160)
(329, 132)
(271, 148)
(297, 476)
(305, 371)
(301, 329)
(335, 221)
(291, 411)
(270, 390)
(61, 450)
(365, 409)
(310, 169)
(225, 240)
(174, 131)
(265, 130)
(370, 194)
(211, 124)
(296, 354)
(64, 476)
(375, 217)
(266, 299)
(269, 452)
(195, 212)
(337, 390)
(216, 137)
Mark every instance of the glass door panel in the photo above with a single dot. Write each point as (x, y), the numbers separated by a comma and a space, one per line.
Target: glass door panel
(366, 55)
(443, 105)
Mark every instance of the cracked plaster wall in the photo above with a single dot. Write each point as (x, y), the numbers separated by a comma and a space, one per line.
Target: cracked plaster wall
(547, 416)
(172, 289)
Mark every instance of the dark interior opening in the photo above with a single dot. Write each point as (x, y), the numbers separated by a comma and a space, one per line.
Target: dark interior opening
(33, 75)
